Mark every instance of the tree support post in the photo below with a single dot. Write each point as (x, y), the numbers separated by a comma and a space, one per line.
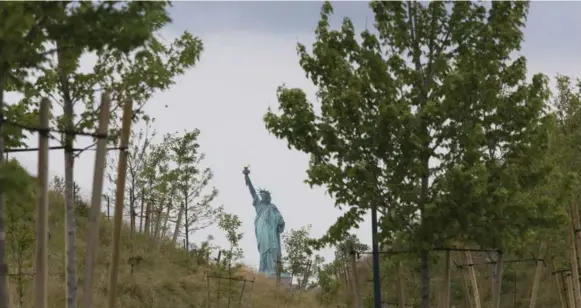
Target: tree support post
(537, 277)
(41, 254)
(119, 198)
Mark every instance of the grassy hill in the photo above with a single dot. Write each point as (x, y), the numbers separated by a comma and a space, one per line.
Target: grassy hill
(151, 275)
(154, 274)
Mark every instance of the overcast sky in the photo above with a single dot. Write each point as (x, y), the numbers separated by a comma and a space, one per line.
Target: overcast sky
(250, 49)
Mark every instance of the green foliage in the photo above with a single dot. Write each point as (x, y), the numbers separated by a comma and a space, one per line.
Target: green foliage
(298, 251)
(191, 181)
(20, 192)
(132, 62)
(431, 117)
(330, 286)
(230, 224)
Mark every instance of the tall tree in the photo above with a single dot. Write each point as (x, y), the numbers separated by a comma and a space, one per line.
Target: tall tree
(230, 223)
(300, 258)
(432, 117)
(123, 36)
(21, 48)
(196, 209)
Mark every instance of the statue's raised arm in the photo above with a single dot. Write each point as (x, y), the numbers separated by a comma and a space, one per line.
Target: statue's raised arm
(246, 172)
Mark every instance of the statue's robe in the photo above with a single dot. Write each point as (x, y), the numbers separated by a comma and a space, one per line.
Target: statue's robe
(268, 225)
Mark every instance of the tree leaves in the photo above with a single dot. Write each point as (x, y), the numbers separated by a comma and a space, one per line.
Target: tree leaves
(430, 119)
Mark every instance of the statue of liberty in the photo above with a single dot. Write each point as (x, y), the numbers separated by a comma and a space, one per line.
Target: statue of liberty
(268, 225)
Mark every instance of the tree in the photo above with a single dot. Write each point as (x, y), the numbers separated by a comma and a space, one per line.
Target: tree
(351, 241)
(230, 223)
(432, 118)
(132, 64)
(196, 207)
(20, 217)
(300, 259)
(139, 145)
(21, 48)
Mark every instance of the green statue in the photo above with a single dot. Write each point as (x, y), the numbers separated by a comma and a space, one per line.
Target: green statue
(268, 225)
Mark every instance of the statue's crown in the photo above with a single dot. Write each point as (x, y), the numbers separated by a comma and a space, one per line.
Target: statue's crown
(263, 191)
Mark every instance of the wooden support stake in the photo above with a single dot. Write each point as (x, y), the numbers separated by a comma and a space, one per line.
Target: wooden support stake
(570, 291)
(537, 278)
(473, 281)
(466, 282)
(41, 258)
(447, 281)
(399, 285)
(97, 194)
(119, 198)
(558, 282)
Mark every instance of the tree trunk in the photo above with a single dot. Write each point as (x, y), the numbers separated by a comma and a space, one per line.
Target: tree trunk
(176, 232)
(141, 227)
(70, 223)
(447, 280)
(132, 211)
(158, 219)
(148, 212)
(358, 302)
(498, 279)
(425, 274)
(473, 281)
(166, 217)
(3, 266)
(186, 223)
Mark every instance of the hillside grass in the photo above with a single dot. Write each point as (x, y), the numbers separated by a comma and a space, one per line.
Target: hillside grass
(161, 275)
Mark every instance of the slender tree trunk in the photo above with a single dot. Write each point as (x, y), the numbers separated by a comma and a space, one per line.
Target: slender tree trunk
(41, 254)
(424, 258)
(132, 211)
(148, 211)
(141, 227)
(176, 232)
(425, 274)
(164, 228)
(358, 302)
(447, 280)
(186, 223)
(498, 279)
(70, 226)
(158, 219)
(3, 266)
(399, 285)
